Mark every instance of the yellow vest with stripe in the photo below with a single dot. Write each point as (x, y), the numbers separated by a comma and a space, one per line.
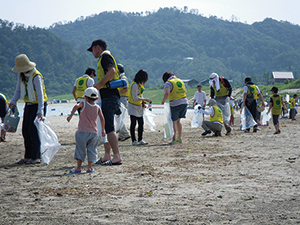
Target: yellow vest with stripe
(277, 106)
(126, 94)
(178, 91)
(292, 103)
(218, 116)
(101, 73)
(222, 92)
(81, 86)
(26, 98)
(252, 90)
(130, 98)
(4, 97)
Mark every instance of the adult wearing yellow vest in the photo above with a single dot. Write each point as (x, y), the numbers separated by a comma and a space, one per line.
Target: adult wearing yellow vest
(3, 112)
(81, 84)
(220, 90)
(215, 123)
(124, 93)
(107, 70)
(31, 89)
(175, 90)
(251, 94)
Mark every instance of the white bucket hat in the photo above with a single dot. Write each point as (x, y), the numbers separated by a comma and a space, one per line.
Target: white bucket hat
(23, 64)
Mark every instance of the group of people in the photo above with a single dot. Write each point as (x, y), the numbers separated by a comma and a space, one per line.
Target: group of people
(31, 88)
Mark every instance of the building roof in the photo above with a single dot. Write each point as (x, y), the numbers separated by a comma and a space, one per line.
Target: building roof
(283, 75)
(188, 80)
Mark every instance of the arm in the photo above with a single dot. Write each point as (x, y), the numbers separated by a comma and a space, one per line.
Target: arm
(227, 84)
(204, 104)
(38, 84)
(77, 106)
(16, 97)
(212, 92)
(124, 90)
(194, 103)
(244, 99)
(262, 99)
(166, 95)
(102, 120)
(110, 73)
(74, 92)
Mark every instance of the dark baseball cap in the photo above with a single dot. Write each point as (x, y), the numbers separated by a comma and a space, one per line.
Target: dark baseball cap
(99, 42)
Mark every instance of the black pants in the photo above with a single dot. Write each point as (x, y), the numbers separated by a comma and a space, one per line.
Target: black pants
(30, 134)
(140, 121)
(253, 111)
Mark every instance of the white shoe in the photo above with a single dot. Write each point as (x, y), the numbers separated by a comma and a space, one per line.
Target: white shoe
(143, 143)
(135, 143)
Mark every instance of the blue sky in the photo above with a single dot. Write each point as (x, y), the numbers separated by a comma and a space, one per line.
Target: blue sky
(42, 13)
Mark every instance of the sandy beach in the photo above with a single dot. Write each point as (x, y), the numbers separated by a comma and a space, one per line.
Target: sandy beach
(244, 178)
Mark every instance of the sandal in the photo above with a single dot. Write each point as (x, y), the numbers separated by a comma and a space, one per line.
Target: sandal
(75, 171)
(21, 162)
(110, 163)
(32, 161)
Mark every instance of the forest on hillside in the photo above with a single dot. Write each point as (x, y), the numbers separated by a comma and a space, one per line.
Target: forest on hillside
(190, 45)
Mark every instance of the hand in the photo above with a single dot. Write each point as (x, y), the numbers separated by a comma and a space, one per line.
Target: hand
(162, 102)
(147, 99)
(263, 104)
(244, 104)
(11, 105)
(69, 118)
(97, 86)
(40, 116)
(103, 133)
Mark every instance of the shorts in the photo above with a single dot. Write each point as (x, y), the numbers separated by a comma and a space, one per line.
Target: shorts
(292, 112)
(3, 108)
(178, 112)
(86, 144)
(275, 119)
(110, 106)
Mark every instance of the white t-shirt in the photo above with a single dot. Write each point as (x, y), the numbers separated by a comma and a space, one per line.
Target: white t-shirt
(200, 97)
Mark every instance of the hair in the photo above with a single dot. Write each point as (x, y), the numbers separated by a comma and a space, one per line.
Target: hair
(141, 77)
(199, 85)
(23, 78)
(167, 75)
(102, 44)
(89, 71)
(295, 95)
(248, 79)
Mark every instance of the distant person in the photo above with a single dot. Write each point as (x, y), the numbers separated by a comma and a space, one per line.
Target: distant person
(276, 105)
(176, 92)
(136, 103)
(232, 111)
(86, 135)
(293, 108)
(215, 124)
(3, 112)
(251, 94)
(220, 90)
(107, 70)
(199, 97)
(81, 84)
(124, 94)
(31, 89)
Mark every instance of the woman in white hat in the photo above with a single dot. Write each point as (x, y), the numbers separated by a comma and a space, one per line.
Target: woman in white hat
(31, 89)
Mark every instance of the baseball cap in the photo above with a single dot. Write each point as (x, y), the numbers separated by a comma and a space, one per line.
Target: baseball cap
(99, 42)
(91, 92)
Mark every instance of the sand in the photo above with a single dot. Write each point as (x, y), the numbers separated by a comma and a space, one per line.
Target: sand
(244, 178)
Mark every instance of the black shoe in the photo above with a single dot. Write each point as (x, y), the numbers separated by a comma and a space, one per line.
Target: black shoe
(218, 133)
(206, 132)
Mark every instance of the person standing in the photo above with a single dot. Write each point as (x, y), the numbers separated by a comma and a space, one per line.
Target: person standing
(81, 84)
(251, 94)
(136, 103)
(293, 108)
(86, 135)
(220, 90)
(176, 92)
(31, 89)
(107, 70)
(199, 97)
(3, 112)
(124, 94)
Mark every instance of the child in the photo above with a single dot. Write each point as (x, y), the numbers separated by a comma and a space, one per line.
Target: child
(231, 103)
(276, 104)
(86, 135)
(136, 103)
(293, 109)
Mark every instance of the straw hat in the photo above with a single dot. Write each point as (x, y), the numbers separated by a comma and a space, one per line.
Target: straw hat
(23, 64)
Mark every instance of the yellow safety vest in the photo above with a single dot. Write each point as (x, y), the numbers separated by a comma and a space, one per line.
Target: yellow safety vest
(178, 91)
(292, 103)
(126, 94)
(130, 98)
(218, 116)
(252, 90)
(222, 92)
(26, 97)
(277, 106)
(101, 73)
(81, 86)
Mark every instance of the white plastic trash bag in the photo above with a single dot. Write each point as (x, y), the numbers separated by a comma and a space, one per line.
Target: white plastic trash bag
(101, 139)
(168, 124)
(48, 139)
(247, 120)
(149, 117)
(265, 117)
(197, 117)
(120, 119)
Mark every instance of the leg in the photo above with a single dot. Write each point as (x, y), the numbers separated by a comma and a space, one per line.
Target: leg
(179, 129)
(175, 129)
(113, 141)
(140, 128)
(132, 127)
(79, 163)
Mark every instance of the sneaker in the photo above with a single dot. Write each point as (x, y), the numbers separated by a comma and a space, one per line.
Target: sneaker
(247, 131)
(218, 133)
(143, 142)
(206, 132)
(135, 143)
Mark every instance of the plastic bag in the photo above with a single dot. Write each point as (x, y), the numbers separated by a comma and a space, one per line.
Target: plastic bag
(225, 107)
(120, 119)
(101, 139)
(265, 118)
(149, 116)
(197, 117)
(48, 139)
(168, 124)
(247, 120)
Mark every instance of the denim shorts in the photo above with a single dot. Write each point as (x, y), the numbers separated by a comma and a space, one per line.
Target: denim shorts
(178, 112)
(110, 106)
